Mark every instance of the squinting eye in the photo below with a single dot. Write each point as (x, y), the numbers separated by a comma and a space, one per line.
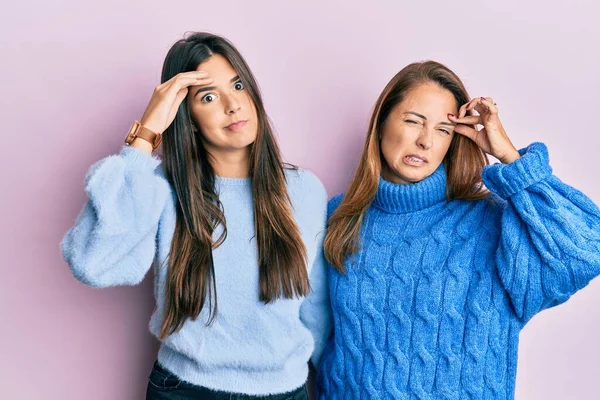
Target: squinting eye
(445, 131)
(238, 85)
(208, 98)
(410, 121)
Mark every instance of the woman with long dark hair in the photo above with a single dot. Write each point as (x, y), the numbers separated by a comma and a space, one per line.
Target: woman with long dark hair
(438, 259)
(233, 234)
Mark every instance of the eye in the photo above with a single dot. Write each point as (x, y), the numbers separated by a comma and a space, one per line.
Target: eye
(445, 131)
(238, 85)
(410, 121)
(208, 98)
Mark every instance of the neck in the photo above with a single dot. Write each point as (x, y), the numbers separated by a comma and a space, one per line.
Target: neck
(402, 198)
(231, 164)
(389, 176)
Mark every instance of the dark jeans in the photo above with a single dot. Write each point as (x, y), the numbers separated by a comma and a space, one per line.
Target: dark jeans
(164, 385)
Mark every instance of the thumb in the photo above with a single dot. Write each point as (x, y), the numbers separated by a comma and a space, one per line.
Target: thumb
(467, 131)
(176, 103)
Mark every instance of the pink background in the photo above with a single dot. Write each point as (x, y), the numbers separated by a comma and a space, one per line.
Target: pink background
(74, 74)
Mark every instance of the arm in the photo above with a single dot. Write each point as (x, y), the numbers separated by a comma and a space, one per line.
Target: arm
(550, 233)
(113, 240)
(315, 311)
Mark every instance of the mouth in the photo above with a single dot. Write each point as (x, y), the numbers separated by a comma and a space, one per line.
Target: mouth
(415, 160)
(237, 125)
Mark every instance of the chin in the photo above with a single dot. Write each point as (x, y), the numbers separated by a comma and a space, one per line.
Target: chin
(248, 141)
(409, 176)
(241, 141)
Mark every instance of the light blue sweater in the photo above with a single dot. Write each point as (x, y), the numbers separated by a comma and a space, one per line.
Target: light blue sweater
(251, 348)
(432, 305)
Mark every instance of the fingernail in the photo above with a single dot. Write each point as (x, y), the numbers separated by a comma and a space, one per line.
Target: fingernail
(483, 99)
(451, 115)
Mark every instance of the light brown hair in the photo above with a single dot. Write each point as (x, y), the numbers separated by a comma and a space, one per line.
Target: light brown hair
(464, 160)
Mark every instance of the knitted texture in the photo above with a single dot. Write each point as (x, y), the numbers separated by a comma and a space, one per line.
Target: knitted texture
(432, 305)
(251, 348)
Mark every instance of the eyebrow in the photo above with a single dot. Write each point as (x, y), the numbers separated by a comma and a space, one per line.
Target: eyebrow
(207, 88)
(425, 118)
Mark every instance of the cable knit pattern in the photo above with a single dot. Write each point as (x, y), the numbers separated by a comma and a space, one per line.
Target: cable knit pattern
(432, 305)
(251, 348)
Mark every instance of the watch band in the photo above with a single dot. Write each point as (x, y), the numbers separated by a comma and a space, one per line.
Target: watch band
(139, 131)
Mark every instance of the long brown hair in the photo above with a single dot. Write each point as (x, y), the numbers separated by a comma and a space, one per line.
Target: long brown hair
(464, 160)
(281, 251)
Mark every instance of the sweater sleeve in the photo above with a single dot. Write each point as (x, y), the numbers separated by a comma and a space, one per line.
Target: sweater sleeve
(113, 241)
(550, 233)
(315, 311)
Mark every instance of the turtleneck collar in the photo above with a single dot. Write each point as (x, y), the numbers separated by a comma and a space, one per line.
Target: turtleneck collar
(405, 198)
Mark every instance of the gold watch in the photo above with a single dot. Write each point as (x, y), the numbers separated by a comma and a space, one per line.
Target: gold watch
(138, 131)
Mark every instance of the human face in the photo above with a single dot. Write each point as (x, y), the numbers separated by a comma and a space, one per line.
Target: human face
(223, 111)
(417, 134)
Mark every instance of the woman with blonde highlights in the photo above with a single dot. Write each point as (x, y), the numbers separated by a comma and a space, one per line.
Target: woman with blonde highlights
(439, 259)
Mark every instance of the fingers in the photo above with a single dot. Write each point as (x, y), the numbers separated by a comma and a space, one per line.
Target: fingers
(467, 131)
(181, 95)
(473, 104)
(179, 98)
(168, 96)
(468, 107)
(489, 104)
(479, 104)
(185, 79)
(175, 106)
(468, 120)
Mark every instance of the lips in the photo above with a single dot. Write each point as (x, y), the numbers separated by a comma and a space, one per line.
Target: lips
(414, 160)
(417, 158)
(234, 126)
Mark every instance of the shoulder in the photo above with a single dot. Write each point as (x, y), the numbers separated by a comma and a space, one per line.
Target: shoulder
(485, 213)
(489, 202)
(305, 185)
(309, 199)
(334, 203)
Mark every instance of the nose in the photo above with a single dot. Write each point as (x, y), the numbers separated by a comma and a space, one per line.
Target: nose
(425, 139)
(232, 105)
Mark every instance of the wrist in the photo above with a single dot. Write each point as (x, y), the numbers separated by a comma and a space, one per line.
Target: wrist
(512, 156)
(142, 144)
(139, 132)
(148, 124)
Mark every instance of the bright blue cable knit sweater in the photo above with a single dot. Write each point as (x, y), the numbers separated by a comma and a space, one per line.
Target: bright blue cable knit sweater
(250, 348)
(432, 305)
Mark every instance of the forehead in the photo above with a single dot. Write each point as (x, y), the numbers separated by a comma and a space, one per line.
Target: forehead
(218, 68)
(428, 98)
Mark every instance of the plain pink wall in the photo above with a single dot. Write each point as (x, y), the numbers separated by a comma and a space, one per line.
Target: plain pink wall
(73, 75)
